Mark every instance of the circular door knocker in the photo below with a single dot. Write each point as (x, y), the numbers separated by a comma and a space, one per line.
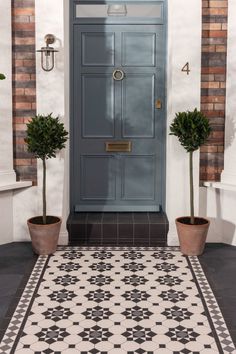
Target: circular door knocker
(118, 75)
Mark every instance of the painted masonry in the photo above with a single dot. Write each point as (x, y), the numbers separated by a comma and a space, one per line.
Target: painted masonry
(213, 83)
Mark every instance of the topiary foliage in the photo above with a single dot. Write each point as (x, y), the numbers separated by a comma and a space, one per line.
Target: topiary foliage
(191, 128)
(2, 77)
(45, 136)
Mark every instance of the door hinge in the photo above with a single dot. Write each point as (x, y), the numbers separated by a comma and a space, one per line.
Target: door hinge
(158, 103)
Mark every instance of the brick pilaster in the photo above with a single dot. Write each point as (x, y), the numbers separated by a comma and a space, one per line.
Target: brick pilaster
(213, 83)
(24, 84)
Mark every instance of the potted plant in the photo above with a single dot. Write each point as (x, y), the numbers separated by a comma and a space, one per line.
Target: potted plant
(2, 77)
(45, 136)
(192, 129)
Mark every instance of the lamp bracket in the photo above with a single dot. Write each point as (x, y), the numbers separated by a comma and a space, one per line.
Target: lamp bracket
(49, 39)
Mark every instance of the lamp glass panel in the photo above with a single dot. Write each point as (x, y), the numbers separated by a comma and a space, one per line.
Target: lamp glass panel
(133, 10)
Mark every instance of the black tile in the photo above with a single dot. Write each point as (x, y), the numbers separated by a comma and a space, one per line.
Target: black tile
(78, 229)
(94, 234)
(109, 233)
(77, 239)
(125, 218)
(94, 218)
(109, 218)
(141, 218)
(125, 234)
(157, 233)
(157, 218)
(141, 234)
(77, 218)
(94, 230)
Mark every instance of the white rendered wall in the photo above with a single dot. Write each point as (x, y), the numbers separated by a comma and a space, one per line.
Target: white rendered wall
(7, 174)
(220, 204)
(50, 99)
(183, 92)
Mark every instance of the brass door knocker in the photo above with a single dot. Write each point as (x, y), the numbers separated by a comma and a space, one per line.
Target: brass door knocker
(118, 75)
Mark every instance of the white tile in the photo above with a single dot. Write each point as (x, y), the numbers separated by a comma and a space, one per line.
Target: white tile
(117, 339)
(59, 346)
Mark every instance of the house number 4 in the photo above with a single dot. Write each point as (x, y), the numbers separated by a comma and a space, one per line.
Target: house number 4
(186, 68)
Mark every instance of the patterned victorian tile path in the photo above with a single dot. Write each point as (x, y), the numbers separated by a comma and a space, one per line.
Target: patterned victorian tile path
(117, 300)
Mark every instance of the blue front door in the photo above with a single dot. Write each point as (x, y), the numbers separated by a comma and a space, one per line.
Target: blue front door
(118, 131)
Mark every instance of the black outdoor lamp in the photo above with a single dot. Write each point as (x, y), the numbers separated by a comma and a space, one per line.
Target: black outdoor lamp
(48, 53)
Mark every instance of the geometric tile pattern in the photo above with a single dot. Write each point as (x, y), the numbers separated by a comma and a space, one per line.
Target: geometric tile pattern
(117, 300)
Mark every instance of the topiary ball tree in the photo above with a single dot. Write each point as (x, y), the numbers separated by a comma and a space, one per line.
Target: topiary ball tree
(192, 129)
(45, 136)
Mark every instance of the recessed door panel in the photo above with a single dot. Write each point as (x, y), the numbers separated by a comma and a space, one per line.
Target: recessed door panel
(138, 178)
(138, 112)
(98, 178)
(138, 49)
(98, 49)
(97, 105)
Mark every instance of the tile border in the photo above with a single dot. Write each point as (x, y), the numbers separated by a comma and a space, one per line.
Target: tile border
(215, 314)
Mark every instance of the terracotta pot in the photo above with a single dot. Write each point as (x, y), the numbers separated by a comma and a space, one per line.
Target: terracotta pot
(44, 237)
(192, 238)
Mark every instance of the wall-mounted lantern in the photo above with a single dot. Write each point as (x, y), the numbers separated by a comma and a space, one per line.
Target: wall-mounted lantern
(117, 10)
(48, 53)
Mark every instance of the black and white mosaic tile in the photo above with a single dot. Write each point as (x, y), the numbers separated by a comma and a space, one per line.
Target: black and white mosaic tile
(117, 300)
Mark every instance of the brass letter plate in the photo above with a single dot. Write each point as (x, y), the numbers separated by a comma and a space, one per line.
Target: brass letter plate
(118, 146)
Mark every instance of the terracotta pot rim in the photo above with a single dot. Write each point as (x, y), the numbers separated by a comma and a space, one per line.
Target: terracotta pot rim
(195, 217)
(59, 220)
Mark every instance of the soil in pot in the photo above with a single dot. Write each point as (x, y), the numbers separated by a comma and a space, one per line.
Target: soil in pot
(38, 220)
(192, 238)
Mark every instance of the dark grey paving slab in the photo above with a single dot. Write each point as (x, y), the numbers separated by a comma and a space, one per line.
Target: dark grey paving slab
(16, 263)
(219, 264)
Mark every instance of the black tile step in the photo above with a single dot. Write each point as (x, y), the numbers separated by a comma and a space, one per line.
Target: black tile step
(131, 229)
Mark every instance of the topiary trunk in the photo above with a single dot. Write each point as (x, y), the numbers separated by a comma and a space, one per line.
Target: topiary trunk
(191, 187)
(44, 193)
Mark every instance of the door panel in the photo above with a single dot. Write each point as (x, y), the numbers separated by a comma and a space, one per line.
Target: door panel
(104, 167)
(104, 54)
(109, 110)
(138, 115)
(138, 178)
(97, 105)
(138, 49)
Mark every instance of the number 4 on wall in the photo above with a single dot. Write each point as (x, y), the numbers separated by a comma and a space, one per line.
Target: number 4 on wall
(186, 68)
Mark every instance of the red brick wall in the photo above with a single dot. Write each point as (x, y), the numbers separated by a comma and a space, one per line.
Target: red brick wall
(24, 84)
(214, 47)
